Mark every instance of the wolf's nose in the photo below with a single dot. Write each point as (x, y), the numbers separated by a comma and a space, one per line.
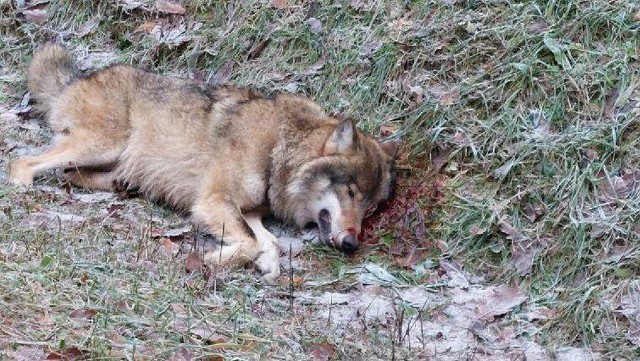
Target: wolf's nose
(349, 243)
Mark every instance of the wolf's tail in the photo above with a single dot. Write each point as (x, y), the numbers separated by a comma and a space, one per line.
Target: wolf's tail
(50, 70)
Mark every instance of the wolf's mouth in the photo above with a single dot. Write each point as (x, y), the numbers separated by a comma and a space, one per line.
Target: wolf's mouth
(324, 223)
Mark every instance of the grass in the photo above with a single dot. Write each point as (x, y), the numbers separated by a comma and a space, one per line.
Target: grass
(528, 111)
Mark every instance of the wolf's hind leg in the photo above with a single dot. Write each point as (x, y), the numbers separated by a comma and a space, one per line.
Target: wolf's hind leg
(67, 153)
(87, 179)
(223, 218)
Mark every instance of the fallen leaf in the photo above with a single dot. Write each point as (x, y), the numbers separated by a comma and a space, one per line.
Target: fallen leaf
(198, 77)
(133, 4)
(370, 48)
(209, 335)
(70, 353)
(618, 187)
(176, 233)
(194, 263)
(183, 355)
(151, 267)
(167, 244)
(523, 250)
(36, 16)
(503, 170)
(171, 34)
(321, 351)
(533, 212)
(451, 97)
(258, 48)
(23, 107)
(630, 307)
(637, 16)
(169, 7)
(511, 233)
(477, 231)
(88, 27)
(146, 27)
(95, 197)
(280, 4)
(223, 74)
(313, 69)
(458, 278)
(535, 352)
(387, 130)
(315, 25)
(503, 300)
(113, 210)
(24, 353)
(610, 103)
(373, 274)
(364, 5)
(83, 313)
(575, 354)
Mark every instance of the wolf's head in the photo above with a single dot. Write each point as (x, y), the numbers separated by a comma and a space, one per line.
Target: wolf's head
(350, 179)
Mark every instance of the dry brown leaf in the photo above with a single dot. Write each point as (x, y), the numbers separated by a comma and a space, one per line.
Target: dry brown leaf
(619, 187)
(167, 244)
(538, 27)
(88, 27)
(173, 34)
(450, 97)
(370, 47)
(209, 336)
(146, 27)
(36, 16)
(477, 231)
(533, 212)
(511, 233)
(322, 351)
(523, 250)
(183, 355)
(194, 263)
(630, 307)
(313, 69)
(280, 4)
(169, 7)
(387, 130)
(83, 313)
(503, 300)
(610, 103)
(637, 16)
(259, 48)
(25, 353)
(70, 353)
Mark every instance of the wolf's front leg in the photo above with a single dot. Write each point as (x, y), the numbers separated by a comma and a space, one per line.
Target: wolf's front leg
(269, 258)
(240, 243)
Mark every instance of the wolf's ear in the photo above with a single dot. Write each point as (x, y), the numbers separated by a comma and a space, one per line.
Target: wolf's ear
(390, 147)
(343, 140)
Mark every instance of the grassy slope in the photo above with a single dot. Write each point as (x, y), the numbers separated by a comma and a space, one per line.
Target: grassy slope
(531, 108)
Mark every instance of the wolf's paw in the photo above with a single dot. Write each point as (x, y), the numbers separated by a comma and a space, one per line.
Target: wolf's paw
(20, 173)
(269, 264)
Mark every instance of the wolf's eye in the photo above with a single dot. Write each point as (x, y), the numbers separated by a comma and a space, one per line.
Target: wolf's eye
(351, 194)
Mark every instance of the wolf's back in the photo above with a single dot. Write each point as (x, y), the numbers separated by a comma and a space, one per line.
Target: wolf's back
(50, 70)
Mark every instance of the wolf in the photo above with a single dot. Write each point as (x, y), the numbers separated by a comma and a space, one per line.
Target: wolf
(228, 155)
